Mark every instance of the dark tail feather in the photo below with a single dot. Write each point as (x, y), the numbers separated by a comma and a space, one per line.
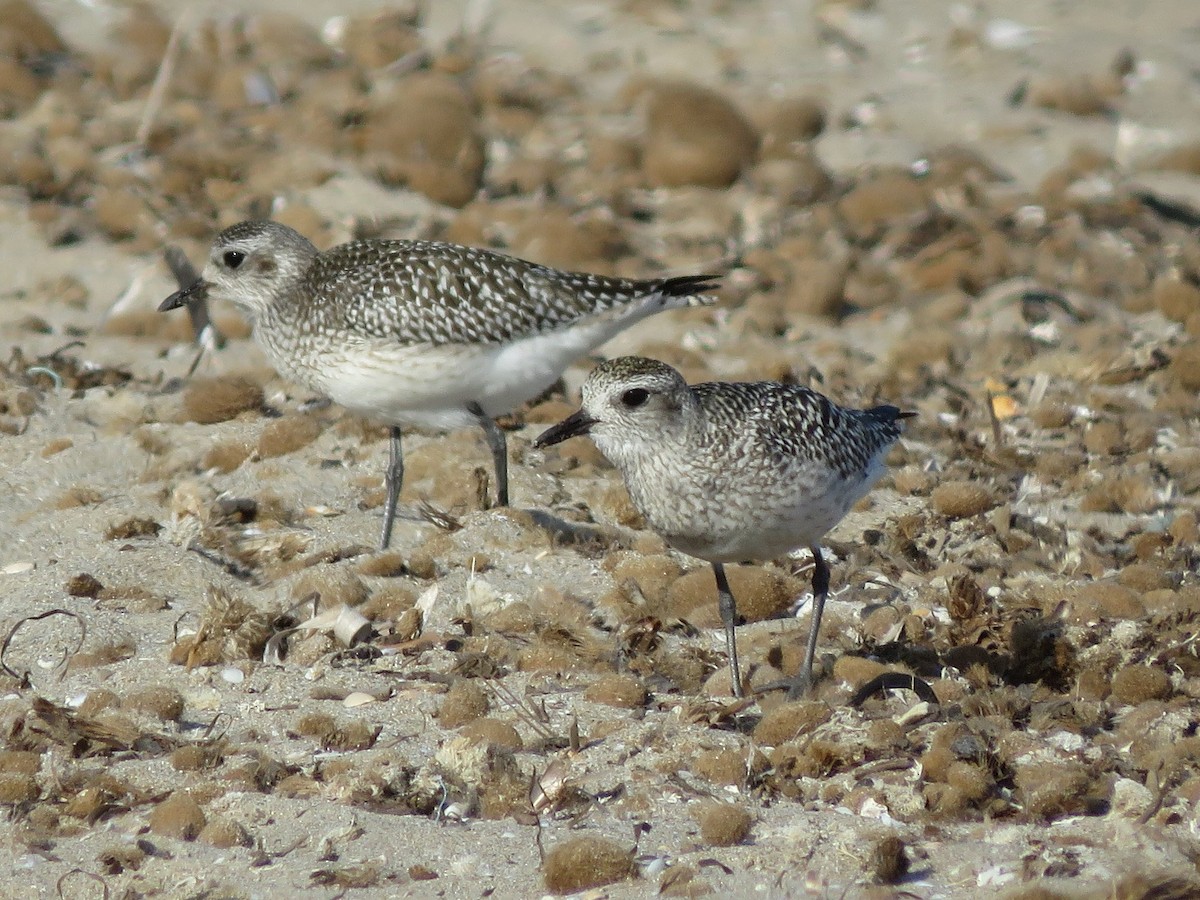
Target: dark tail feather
(888, 414)
(687, 285)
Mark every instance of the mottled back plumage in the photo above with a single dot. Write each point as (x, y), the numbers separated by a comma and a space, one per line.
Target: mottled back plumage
(440, 293)
(432, 292)
(790, 423)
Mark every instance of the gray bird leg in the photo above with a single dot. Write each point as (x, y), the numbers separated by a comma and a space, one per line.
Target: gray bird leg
(499, 447)
(728, 607)
(820, 587)
(392, 480)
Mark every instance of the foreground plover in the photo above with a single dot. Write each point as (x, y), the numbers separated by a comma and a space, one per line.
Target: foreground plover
(421, 333)
(730, 471)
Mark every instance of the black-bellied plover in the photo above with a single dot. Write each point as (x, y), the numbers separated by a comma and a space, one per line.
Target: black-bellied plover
(729, 471)
(421, 333)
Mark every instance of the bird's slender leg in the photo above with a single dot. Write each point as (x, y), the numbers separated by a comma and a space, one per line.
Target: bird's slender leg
(392, 480)
(728, 607)
(499, 447)
(820, 589)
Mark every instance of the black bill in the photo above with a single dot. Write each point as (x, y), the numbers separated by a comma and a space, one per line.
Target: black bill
(572, 426)
(195, 291)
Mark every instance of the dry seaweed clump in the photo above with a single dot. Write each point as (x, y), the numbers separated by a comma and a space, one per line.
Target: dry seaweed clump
(495, 732)
(334, 735)
(586, 862)
(789, 721)
(334, 587)
(161, 701)
(179, 816)
(287, 435)
(723, 824)
(211, 400)
(816, 758)
(695, 135)
(958, 769)
(1051, 790)
(1137, 684)
(762, 594)
(467, 777)
(721, 766)
(889, 860)
(230, 630)
(961, 499)
(18, 787)
(465, 702)
(198, 757)
(423, 132)
(623, 691)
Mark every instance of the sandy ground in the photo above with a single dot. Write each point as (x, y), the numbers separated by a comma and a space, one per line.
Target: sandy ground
(993, 225)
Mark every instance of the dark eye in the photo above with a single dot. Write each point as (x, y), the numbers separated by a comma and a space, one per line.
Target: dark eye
(635, 397)
(234, 258)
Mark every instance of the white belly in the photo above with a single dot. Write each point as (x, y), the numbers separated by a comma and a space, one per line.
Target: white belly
(432, 386)
(744, 521)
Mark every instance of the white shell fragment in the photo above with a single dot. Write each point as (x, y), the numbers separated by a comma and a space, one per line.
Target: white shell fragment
(348, 625)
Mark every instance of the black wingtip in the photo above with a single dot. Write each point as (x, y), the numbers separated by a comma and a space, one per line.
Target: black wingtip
(689, 285)
(889, 414)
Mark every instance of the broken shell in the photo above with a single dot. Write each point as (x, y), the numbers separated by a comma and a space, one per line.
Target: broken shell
(348, 625)
(323, 511)
(351, 627)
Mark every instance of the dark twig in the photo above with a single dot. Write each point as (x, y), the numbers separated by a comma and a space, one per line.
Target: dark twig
(4, 666)
(203, 330)
(892, 680)
(94, 877)
(1170, 210)
(997, 431)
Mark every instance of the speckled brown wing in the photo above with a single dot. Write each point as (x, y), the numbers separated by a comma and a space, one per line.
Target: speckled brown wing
(796, 425)
(436, 293)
